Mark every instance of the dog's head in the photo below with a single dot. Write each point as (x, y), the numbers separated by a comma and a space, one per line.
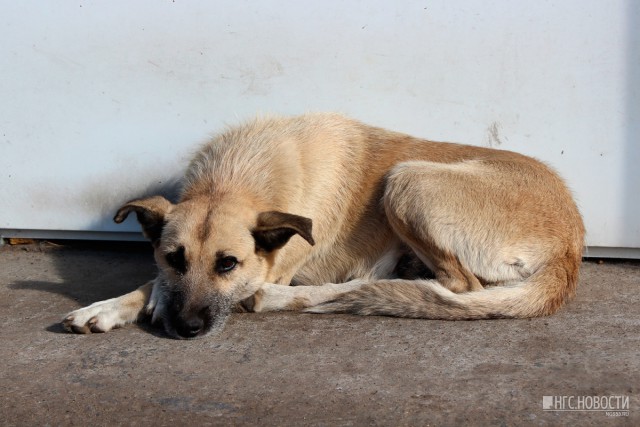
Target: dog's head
(211, 254)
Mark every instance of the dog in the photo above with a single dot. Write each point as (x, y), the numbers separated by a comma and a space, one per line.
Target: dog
(357, 219)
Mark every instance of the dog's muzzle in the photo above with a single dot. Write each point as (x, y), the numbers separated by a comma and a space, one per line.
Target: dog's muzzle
(187, 321)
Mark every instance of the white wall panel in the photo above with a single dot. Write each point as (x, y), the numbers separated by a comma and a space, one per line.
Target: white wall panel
(103, 101)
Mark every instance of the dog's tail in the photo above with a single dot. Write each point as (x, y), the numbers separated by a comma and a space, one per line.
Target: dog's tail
(542, 293)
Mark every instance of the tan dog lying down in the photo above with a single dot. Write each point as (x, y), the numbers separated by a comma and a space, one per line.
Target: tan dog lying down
(350, 214)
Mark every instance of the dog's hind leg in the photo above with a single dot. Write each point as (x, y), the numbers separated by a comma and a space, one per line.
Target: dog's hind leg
(103, 316)
(272, 297)
(447, 267)
(430, 206)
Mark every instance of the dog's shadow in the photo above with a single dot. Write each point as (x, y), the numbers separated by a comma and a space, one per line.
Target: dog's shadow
(87, 272)
(90, 271)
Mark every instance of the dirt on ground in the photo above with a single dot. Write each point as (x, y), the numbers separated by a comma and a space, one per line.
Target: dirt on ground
(303, 369)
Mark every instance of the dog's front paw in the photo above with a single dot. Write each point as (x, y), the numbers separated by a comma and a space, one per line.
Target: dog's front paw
(101, 316)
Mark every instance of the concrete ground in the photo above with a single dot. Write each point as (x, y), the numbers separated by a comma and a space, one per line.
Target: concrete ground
(300, 369)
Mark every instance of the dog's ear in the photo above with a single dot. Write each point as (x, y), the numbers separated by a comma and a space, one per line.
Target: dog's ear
(274, 229)
(150, 212)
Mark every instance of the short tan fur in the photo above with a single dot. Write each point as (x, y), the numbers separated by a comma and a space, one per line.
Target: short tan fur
(336, 208)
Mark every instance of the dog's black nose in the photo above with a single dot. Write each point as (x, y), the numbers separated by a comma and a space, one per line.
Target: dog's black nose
(189, 320)
(190, 326)
(186, 321)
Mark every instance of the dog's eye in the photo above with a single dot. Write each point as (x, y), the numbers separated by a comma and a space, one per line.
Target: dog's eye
(177, 260)
(226, 264)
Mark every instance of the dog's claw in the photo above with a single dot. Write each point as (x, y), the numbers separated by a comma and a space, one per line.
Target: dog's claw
(97, 318)
(67, 323)
(69, 326)
(80, 329)
(93, 325)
